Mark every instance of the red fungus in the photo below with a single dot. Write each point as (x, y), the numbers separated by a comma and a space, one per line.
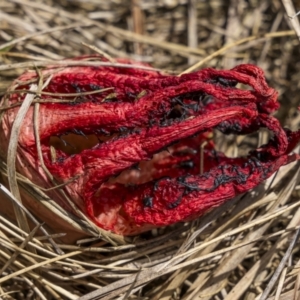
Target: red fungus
(154, 122)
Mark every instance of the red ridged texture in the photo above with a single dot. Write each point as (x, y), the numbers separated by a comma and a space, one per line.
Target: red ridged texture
(156, 122)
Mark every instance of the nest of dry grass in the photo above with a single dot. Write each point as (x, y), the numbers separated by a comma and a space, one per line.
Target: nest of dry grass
(246, 249)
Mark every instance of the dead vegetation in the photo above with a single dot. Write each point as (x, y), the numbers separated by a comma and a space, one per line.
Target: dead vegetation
(246, 249)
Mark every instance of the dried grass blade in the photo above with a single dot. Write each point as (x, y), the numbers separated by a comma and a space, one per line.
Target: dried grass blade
(124, 34)
(35, 34)
(22, 246)
(11, 159)
(66, 63)
(152, 273)
(232, 261)
(290, 10)
(35, 288)
(28, 213)
(43, 263)
(244, 283)
(236, 43)
(280, 266)
(280, 284)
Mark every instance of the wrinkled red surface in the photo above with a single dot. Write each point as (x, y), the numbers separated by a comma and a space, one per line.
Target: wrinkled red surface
(146, 114)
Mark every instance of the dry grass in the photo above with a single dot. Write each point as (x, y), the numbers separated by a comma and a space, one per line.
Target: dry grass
(246, 249)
